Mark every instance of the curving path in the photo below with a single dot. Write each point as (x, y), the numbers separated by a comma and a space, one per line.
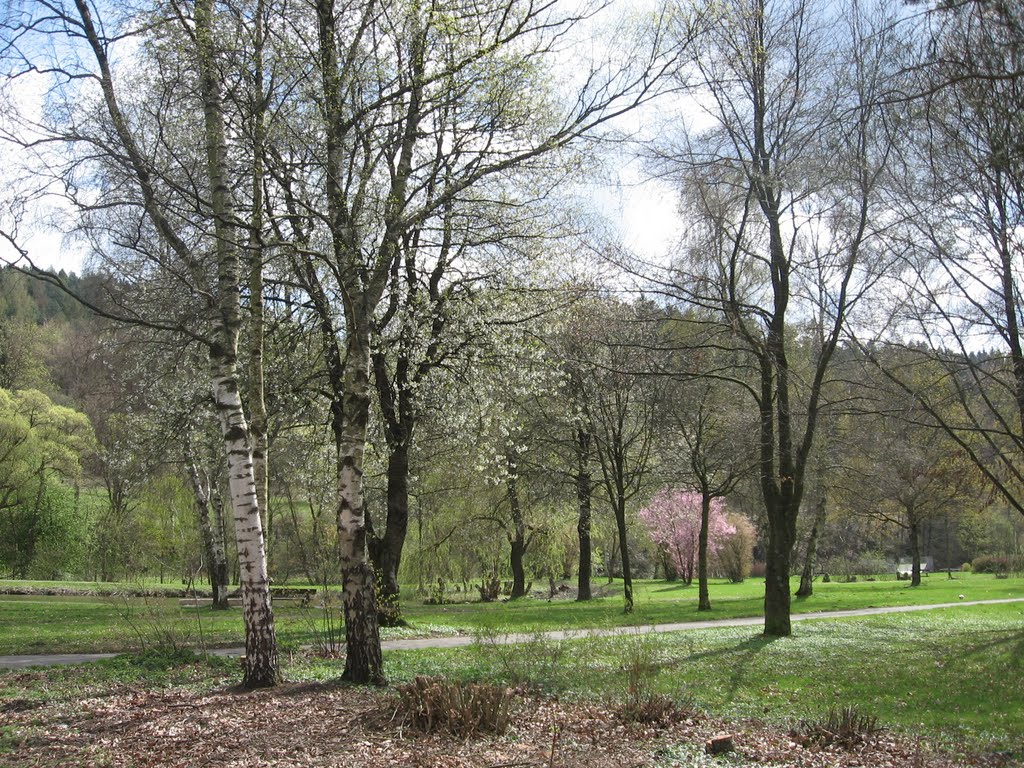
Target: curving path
(457, 641)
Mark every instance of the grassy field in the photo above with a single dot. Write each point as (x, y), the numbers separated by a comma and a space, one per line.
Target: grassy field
(951, 675)
(658, 602)
(113, 623)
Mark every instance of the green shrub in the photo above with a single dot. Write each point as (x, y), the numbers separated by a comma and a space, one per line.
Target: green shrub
(996, 564)
(735, 556)
(844, 568)
(160, 659)
(966, 567)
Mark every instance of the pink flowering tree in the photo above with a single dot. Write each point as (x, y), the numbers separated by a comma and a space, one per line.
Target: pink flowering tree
(674, 518)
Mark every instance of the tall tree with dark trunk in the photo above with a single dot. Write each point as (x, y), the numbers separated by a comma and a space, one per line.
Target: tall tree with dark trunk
(425, 182)
(583, 443)
(787, 87)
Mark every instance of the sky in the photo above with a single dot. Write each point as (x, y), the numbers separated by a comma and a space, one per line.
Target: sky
(641, 211)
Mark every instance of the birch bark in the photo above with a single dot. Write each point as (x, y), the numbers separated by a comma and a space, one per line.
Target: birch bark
(261, 662)
(261, 668)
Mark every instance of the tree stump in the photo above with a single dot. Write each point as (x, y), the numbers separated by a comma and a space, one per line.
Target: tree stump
(720, 744)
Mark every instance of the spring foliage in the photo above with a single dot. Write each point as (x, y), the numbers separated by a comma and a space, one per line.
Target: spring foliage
(673, 520)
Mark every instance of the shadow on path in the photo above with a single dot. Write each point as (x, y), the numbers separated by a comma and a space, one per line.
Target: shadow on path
(751, 646)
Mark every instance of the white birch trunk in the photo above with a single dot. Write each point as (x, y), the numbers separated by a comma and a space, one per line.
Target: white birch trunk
(261, 662)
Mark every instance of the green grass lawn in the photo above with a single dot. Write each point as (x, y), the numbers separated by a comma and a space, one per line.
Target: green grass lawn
(44, 624)
(658, 602)
(952, 675)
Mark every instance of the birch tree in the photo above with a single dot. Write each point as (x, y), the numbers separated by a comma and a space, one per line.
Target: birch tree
(429, 118)
(191, 241)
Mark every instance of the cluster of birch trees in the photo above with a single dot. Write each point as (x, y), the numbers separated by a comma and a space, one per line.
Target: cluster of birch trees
(363, 227)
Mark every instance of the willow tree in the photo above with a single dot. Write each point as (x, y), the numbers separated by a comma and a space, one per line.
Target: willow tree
(960, 190)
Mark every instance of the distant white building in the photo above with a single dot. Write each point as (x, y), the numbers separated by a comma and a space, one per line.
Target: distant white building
(906, 567)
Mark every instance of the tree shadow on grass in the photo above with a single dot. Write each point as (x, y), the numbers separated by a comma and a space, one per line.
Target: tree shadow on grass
(679, 586)
(1013, 641)
(740, 657)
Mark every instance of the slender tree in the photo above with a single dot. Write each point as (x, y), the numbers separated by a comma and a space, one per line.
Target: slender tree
(772, 225)
(189, 241)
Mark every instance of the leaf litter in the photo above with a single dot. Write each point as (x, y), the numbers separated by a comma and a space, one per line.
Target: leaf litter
(329, 725)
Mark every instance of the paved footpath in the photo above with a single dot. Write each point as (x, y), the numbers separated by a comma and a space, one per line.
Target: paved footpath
(458, 641)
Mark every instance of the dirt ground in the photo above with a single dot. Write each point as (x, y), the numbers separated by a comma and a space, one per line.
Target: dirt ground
(328, 725)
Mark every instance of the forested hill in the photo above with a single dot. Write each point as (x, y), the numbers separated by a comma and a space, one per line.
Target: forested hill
(38, 322)
(24, 299)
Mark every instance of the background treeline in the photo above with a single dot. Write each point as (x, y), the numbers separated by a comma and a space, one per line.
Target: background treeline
(97, 461)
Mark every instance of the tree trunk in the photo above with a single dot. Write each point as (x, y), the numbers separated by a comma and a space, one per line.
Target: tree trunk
(627, 580)
(518, 549)
(256, 391)
(387, 549)
(776, 582)
(256, 394)
(213, 541)
(613, 559)
(915, 551)
(363, 663)
(806, 588)
(517, 539)
(261, 663)
(583, 496)
(669, 567)
(704, 600)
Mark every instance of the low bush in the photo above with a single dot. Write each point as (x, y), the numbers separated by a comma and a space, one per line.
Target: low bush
(734, 558)
(847, 727)
(537, 662)
(490, 589)
(867, 564)
(462, 709)
(998, 564)
(640, 659)
(652, 709)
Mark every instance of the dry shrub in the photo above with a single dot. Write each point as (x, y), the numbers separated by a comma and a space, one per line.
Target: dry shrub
(537, 663)
(649, 709)
(847, 728)
(640, 661)
(464, 709)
